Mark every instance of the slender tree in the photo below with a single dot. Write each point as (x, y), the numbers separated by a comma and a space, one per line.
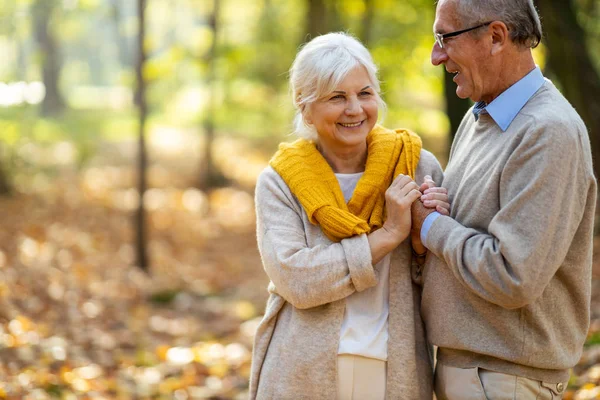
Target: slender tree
(140, 99)
(569, 60)
(316, 19)
(367, 22)
(323, 16)
(4, 186)
(210, 176)
(42, 12)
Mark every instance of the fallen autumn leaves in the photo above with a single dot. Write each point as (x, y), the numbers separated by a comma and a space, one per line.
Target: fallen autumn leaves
(79, 321)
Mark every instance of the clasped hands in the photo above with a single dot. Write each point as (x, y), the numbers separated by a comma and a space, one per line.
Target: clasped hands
(405, 214)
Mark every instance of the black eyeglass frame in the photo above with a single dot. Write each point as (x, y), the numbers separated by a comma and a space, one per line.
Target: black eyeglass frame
(439, 37)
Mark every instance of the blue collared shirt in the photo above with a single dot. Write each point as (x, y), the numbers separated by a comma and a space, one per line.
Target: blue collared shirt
(503, 110)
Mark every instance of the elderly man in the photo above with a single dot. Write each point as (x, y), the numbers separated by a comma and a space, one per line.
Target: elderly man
(506, 293)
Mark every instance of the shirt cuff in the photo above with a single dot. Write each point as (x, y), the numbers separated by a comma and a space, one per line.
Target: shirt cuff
(427, 224)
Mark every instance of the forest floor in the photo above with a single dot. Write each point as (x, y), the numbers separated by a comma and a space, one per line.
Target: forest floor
(79, 321)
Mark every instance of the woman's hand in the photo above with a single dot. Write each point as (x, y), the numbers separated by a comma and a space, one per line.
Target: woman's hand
(398, 199)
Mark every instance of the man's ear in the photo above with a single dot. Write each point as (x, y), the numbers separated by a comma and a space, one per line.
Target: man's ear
(500, 36)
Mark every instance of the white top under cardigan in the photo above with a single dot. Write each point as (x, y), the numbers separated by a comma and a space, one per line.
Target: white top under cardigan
(365, 326)
(296, 344)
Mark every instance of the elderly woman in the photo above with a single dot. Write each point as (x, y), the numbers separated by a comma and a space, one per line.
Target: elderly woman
(333, 218)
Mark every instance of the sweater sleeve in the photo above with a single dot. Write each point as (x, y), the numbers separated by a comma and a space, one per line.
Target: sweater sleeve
(543, 191)
(428, 165)
(306, 276)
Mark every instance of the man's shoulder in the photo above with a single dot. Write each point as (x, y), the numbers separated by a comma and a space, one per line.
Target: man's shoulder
(551, 124)
(549, 117)
(549, 107)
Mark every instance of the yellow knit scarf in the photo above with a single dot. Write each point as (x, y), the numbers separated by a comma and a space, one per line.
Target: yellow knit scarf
(313, 182)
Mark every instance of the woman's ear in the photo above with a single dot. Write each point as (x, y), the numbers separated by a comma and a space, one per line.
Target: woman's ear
(306, 115)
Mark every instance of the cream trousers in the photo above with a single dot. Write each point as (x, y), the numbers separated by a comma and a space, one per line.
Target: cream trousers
(480, 384)
(361, 378)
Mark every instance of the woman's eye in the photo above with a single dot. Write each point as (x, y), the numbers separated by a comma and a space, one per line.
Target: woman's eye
(365, 93)
(337, 97)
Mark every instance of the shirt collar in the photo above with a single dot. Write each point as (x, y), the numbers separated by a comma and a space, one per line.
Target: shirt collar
(504, 108)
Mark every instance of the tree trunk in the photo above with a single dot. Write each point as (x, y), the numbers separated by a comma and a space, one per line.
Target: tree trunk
(209, 174)
(367, 22)
(455, 106)
(4, 186)
(42, 10)
(316, 19)
(570, 61)
(140, 98)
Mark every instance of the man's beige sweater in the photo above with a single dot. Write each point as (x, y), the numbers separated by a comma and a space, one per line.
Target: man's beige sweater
(507, 286)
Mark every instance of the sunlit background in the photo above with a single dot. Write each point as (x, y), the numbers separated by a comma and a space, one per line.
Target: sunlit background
(79, 316)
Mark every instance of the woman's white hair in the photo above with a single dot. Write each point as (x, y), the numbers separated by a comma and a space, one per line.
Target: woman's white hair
(320, 66)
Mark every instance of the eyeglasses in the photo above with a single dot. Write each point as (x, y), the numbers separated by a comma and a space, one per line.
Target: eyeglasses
(439, 37)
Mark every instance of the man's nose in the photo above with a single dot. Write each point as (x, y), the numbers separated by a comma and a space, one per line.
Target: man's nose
(438, 55)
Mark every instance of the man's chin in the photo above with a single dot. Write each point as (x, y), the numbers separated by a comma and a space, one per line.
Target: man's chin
(462, 93)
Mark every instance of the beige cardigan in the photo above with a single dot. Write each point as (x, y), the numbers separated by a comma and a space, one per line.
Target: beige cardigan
(295, 348)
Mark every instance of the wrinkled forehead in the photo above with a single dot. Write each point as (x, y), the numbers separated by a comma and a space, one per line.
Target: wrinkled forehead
(446, 17)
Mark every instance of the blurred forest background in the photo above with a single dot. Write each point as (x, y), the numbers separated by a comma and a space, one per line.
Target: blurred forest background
(109, 294)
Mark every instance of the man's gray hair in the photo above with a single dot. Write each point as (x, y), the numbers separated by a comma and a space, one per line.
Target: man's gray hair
(320, 66)
(520, 16)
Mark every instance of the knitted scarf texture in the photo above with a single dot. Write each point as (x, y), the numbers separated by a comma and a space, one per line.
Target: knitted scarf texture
(313, 182)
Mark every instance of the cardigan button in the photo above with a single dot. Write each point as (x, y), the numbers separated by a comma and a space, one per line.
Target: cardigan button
(560, 387)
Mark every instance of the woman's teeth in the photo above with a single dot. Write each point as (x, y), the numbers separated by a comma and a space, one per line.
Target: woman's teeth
(351, 125)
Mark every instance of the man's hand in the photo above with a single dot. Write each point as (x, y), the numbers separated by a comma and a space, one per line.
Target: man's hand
(435, 197)
(418, 215)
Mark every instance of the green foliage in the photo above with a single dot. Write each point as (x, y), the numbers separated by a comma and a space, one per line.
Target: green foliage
(588, 15)
(54, 390)
(85, 130)
(593, 339)
(145, 358)
(164, 297)
(256, 44)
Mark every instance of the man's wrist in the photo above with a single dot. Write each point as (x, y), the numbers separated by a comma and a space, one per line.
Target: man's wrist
(427, 222)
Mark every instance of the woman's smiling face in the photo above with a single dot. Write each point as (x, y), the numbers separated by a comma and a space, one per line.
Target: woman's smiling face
(344, 117)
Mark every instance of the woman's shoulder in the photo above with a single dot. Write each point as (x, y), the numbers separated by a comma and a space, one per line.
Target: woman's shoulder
(429, 165)
(427, 159)
(269, 178)
(271, 185)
